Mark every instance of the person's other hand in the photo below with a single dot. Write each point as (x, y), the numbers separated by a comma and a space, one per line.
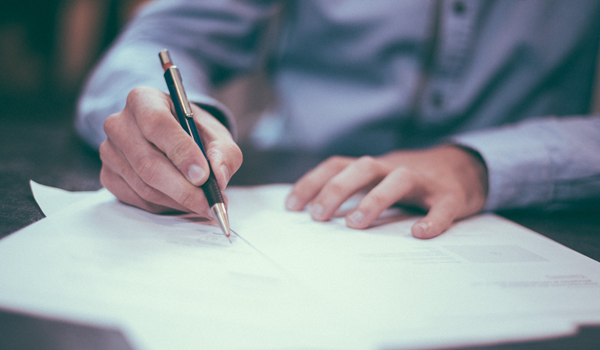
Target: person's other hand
(448, 181)
(149, 161)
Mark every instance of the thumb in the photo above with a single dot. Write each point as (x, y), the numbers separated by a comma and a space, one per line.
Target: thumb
(439, 218)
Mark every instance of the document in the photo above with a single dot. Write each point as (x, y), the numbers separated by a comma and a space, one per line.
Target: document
(483, 268)
(288, 282)
(169, 282)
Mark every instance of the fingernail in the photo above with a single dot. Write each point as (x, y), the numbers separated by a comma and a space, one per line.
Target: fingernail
(356, 218)
(225, 171)
(316, 211)
(424, 227)
(291, 203)
(196, 174)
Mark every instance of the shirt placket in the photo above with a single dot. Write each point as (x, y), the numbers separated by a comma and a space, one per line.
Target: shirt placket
(456, 33)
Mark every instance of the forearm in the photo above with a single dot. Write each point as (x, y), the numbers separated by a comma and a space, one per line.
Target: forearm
(129, 65)
(548, 163)
(209, 41)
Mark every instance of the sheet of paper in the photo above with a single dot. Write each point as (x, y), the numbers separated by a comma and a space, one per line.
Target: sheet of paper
(52, 200)
(485, 267)
(170, 282)
(175, 281)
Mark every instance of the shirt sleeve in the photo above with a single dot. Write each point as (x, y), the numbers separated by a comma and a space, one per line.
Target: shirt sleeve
(210, 42)
(547, 163)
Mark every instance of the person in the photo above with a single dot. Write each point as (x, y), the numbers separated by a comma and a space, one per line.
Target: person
(451, 106)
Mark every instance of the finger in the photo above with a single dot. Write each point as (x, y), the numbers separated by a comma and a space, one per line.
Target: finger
(359, 174)
(393, 188)
(157, 123)
(225, 160)
(117, 185)
(439, 218)
(223, 153)
(152, 166)
(309, 185)
(118, 177)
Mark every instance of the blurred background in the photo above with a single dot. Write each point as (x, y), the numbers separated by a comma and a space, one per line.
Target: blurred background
(46, 49)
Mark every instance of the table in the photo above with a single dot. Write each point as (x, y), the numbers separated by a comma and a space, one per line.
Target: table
(50, 153)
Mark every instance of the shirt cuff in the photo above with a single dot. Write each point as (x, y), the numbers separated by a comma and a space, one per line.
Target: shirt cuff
(217, 110)
(518, 167)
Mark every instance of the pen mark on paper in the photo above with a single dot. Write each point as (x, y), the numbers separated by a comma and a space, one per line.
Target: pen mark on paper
(495, 253)
(424, 256)
(542, 284)
(192, 230)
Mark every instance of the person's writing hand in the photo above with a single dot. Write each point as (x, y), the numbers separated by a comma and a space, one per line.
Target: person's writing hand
(448, 181)
(149, 161)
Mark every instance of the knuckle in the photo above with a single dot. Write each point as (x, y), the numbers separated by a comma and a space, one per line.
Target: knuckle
(367, 164)
(308, 181)
(179, 151)
(231, 147)
(213, 152)
(403, 173)
(234, 150)
(153, 128)
(336, 162)
(377, 198)
(335, 187)
(136, 94)
(234, 155)
(109, 157)
(148, 193)
(106, 178)
(187, 199)
(103, 151)
(237, 162)
(225, 152)
(148, 169)
(367, 161)
(112, 124)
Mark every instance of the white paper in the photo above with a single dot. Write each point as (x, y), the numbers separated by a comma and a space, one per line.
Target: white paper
(104, 262)
(51, 200)
(176, 282)
(484, 268)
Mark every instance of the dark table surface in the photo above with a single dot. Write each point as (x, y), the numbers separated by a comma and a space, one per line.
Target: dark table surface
(48, 152)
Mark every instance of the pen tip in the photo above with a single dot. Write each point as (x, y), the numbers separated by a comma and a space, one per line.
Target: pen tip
(220, 214)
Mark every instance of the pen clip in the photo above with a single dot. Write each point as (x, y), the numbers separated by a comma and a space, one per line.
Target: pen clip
(180, 91)
(173, 77)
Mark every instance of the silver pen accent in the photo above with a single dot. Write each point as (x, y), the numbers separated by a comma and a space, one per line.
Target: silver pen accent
(186, 120)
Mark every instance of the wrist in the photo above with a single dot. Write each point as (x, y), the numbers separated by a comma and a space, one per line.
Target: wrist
(477, 165)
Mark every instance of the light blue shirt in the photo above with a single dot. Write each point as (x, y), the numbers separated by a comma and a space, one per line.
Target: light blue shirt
(510, 79)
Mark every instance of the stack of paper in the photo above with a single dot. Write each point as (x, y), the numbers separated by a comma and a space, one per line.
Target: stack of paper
(287, 282)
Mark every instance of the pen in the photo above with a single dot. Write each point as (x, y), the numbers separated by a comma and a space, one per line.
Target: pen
(186, 119)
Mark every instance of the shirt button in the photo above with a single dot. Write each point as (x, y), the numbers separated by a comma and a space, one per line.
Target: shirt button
(437, 99)
(459, 7)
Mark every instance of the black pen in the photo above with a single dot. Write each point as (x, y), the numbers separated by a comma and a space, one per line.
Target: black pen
(186, 119)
